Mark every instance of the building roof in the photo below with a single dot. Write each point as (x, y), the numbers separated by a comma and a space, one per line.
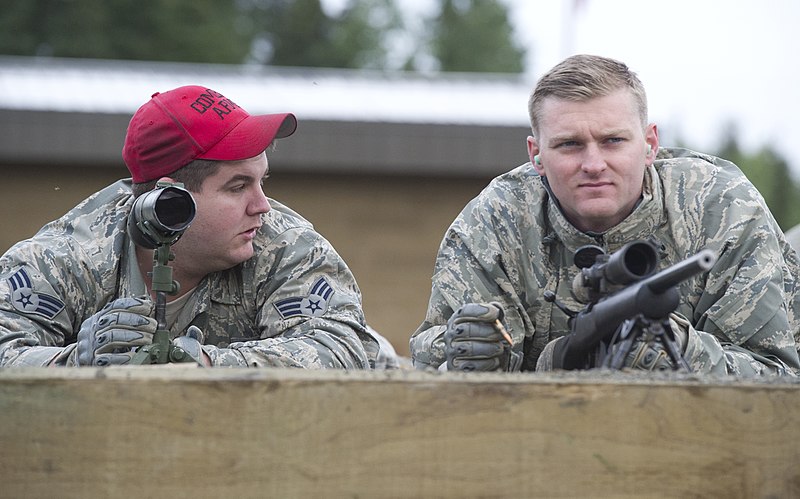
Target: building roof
(103, 86)
(428, 117)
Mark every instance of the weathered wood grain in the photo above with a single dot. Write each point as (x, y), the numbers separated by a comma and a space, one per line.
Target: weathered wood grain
(185, 432)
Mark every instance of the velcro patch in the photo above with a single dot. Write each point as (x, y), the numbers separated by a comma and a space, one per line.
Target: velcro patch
(27, 301)
(315, 304)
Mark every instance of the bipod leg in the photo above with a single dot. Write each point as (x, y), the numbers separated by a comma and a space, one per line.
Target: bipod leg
(626, 335)
(163, 351)
(667, 339)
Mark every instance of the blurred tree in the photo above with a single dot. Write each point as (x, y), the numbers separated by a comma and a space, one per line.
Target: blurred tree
(157, 30)
(277, 32)
(300, 33)
(467, 35)
(475, 35)
(363, 31)
(771, 175)
(292, 32)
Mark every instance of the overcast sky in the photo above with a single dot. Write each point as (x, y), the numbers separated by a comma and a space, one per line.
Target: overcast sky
(704, 62)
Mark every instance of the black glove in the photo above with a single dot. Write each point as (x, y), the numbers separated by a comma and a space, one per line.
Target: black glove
(569, 353)
(110, 336)
(474, 342)
(572, 351)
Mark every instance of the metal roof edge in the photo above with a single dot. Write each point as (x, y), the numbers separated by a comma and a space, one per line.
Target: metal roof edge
(116, 86)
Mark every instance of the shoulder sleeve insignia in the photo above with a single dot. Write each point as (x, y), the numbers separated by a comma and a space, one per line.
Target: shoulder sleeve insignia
(27, 301)
(315, 304)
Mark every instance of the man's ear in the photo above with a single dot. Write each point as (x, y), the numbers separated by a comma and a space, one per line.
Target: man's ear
(651, 139)
(533, 154)
(167, 181)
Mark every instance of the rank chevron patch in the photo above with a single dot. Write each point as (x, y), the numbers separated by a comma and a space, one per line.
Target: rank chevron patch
(315, 304)
(28, 301)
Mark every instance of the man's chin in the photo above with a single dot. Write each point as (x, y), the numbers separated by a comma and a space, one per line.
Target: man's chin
(242, 254)
(598, 217)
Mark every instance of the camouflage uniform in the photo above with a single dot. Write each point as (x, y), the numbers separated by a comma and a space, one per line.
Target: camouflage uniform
(512, 243)
(294, 304)
(793, 236)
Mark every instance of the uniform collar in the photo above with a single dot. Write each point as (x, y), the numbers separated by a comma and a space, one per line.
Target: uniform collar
(640, 224)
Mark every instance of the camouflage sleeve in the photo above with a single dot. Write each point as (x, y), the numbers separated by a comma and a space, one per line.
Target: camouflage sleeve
(310, 312)
(41, 288)
(744, 316)
(744, 328)
(793, 237)
(427, 343)
(469, 270)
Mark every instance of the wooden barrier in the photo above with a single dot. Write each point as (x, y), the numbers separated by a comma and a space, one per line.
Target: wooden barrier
(169, 431)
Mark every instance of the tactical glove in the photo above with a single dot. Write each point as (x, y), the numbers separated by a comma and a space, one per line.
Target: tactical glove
(474, 342)
(192, 344)
(569, 352)
(208, 355)
(110, 336)
(653, 356)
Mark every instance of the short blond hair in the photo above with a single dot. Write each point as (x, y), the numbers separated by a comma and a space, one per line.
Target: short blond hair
(583, 77)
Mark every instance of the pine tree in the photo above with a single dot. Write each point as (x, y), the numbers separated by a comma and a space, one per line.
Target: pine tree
(475, 35)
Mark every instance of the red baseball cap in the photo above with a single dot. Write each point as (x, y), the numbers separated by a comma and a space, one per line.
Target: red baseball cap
(176, 127)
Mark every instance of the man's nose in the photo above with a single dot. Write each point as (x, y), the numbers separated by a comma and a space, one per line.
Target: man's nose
(260, 204)
(593, 160)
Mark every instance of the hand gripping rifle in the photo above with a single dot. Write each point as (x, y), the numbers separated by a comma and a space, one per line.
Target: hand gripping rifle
(626, 301)
(157, 220)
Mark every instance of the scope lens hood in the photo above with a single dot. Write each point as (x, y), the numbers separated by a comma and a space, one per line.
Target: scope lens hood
(161, 216)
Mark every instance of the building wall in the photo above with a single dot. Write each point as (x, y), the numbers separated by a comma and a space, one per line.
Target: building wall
(387, 228)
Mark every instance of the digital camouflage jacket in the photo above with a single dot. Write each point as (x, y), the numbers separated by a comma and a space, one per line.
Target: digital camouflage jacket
(294, 304)
(512, 243)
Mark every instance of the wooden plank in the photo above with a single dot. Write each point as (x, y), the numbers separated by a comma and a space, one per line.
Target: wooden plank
(179, 432)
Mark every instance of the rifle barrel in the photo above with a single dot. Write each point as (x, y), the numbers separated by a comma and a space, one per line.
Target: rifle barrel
(672, 276)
